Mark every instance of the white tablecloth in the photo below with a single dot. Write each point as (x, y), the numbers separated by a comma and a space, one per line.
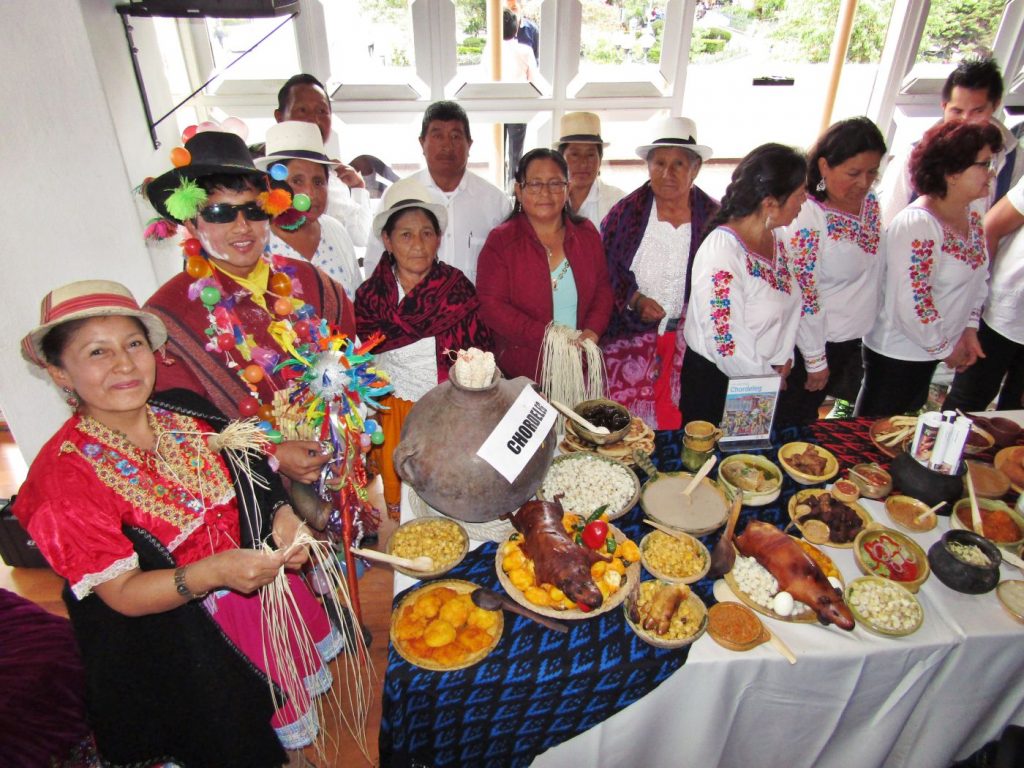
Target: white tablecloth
(852, 699)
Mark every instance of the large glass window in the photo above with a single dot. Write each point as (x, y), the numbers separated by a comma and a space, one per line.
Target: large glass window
(960, 28)
(620, 40)
(370, 41)
(230, 38)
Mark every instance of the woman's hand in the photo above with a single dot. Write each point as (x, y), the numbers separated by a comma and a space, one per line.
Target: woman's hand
(816, 381)
(966, 352)
(301, 460)
(783, 371)
(648, 309)
(587, 335)
(285, 527)
(243, 570)
(349, 176)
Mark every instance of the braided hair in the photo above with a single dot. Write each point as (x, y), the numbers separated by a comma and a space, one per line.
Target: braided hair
(770, 171)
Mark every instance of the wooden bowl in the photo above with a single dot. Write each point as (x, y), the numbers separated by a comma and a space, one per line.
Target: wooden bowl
(978, 440)
(1010, 461)
(692, 600)
(752, 498)
(789, 449)
(1011, 595)
(962, 576)
(891, 555)
(990, 505)
(589, 407)
(868, 489)
(612, 466)
(889, 448)
(702, 551)
(903, 511)
(857, 584)
(989, 482)
(419, 527)
(661, 500)
(800, 497)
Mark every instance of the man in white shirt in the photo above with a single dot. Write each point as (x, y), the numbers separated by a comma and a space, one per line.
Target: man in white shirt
(304, 98)
(972, 92)
(474, 206)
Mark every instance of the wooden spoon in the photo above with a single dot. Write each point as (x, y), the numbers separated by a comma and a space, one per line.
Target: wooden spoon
(490, 600)
(701, 474)
(665, 529)
(567, 411)
(1011, 558)
(421, 563)
(723, 594)
(724, 554)
(929, 511)
(975, 512)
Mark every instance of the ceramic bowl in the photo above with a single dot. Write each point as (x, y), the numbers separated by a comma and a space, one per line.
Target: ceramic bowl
(752, 498)
(904, 511)
(651, 638)
(872, 625)
(787, 451)
(422, 537)
(868, 488)
(701, 552)
(891, 555)
(590, 408)
(988, 505)
(960, 575)
(921, 483)
(1005, 431)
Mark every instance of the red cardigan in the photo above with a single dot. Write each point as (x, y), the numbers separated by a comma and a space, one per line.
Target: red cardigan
(514, 284)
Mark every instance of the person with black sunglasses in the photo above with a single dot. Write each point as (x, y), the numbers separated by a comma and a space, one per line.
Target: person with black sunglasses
(223, 312)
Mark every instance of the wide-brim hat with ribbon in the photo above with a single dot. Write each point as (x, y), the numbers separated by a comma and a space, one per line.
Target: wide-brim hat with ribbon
(294, 140)
(674, 132)
(211, 153)
(82, 300)
(580, 128)
(408, 193)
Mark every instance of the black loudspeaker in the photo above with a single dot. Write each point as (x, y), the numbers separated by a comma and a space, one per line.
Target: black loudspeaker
(218, 9)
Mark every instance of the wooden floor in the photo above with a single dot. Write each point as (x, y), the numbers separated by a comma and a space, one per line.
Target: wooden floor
(42, 586)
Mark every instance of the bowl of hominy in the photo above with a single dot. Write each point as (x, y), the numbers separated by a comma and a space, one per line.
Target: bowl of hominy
(884, 607)
(443, 540)
(679, 559)
(587, 482)
(688, 621)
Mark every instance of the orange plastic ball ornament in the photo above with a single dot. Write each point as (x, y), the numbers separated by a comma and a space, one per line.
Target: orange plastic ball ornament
(281, 284)
(197, 267)
(180, 157)
(266, 412)
(253, 374)
(283, 307)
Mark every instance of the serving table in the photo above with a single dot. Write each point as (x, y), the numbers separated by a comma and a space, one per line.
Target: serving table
(603, 698)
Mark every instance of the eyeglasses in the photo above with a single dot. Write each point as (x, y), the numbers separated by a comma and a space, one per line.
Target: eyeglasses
(224, 213)
(535, 187)
(988, 165)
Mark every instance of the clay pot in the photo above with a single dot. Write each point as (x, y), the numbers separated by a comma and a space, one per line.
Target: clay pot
(437, 451)
(925, 485)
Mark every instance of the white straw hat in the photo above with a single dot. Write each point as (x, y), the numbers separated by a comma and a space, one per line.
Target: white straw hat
(580, 128)
(294, 140)
(674, 132)
(407, 193)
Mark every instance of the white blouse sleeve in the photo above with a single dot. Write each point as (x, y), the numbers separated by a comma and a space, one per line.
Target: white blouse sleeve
(805, 248)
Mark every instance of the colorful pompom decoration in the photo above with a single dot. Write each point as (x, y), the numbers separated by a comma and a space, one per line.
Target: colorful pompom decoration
(160, 229)
(290, 220)
(184, 202)
(275, 201)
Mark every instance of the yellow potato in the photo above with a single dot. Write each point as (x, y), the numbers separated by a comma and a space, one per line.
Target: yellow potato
(537, 596)
(629, 551)
(513, 560)
(521, 578)
(427, 606)
(455, 613)
(439, 633)
(482, 619)
(597, 570)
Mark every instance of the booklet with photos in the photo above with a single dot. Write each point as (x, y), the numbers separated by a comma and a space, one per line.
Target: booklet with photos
(749, 410)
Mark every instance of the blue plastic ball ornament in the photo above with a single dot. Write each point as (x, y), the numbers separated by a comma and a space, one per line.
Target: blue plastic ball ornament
(301, 202)
(210, 295)
(377, 437)
(370, 426)
(266, 426)
(305, 312)
(279, 171)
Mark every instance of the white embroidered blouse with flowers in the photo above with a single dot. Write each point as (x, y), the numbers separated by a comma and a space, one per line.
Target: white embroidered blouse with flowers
(743, 309)
(935, 286)
(660, 265)
(838, 266)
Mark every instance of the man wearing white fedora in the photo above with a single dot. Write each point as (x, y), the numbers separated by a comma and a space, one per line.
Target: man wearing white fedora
(581, 145)
(305, 98)
(473, 206)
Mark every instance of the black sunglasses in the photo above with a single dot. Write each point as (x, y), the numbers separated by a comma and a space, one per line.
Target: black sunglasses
(223, 213)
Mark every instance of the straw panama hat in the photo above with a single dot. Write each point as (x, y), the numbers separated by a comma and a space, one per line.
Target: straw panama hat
(407, 193)
(212, 153)
(674, 132)
(580, 128)
(294, 140)
(84, 299)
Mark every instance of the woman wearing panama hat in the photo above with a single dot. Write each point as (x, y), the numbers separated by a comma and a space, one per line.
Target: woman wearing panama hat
(223, 201)
(581, 145)
(650, 238)
(159, 533)
(317, 238)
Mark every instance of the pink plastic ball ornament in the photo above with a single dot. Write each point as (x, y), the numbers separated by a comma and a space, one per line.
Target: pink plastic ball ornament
(236, 126)
(188, 133)
(253, 374)
(210, 295)
(248, 406)
(364, 442)
(279, 172)
(301, 202)
(283, 307)
(180, 157)
(207, 125)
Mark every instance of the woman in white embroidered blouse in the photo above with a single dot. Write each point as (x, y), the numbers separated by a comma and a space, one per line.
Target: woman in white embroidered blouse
(743, 311)
(838, 266)
(319, 239)
(937, 267)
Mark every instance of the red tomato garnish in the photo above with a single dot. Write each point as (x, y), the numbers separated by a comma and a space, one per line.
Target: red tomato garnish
(583, 607)
(595, 533)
